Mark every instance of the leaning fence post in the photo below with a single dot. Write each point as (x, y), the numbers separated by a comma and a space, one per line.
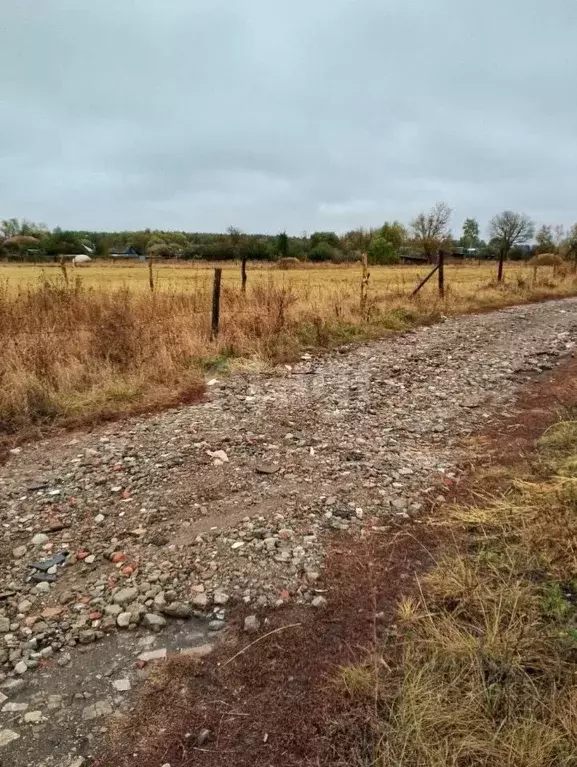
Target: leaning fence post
(442, 274)
(215, 304)
(150, 276)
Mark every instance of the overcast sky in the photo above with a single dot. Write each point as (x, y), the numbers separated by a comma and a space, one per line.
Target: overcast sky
(286, 114)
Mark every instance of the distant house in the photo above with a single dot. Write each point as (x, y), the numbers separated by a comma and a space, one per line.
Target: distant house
(413, 258)
(124, 253)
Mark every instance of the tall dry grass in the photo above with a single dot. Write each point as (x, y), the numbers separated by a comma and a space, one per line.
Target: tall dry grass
(74, 353)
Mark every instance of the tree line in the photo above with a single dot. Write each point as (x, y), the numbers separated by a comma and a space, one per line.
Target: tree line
(510, 236)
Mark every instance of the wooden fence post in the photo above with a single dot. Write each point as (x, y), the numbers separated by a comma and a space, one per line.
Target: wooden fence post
(150, 276)
(215, 304)
(64, 270)
(441, 273)
(364, 284)
(500, 267)
(243, 275)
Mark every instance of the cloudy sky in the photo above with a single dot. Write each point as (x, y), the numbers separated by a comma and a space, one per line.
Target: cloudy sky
(285, 114)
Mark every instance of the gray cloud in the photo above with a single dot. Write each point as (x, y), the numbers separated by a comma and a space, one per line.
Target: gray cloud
(197, 114)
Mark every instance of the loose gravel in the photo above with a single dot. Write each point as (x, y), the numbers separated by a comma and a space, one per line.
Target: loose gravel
(182, 515)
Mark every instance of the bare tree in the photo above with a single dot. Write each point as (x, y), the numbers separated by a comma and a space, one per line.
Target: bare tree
(508, 229)
(431, 230)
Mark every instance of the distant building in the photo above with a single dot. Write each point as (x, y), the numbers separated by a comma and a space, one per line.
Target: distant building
(125, 253)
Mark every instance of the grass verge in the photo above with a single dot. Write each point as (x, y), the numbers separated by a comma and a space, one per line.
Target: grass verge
(489, 642)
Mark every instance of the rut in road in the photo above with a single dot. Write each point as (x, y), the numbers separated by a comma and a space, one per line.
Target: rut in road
(232, 500)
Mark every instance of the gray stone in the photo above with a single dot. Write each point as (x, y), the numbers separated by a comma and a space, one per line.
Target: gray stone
(19, 552)
(199, 600)
(251, 624)
(21, 667)
(4, 624)
(154, 621)
(319, 602)
(113, 610)
(123, 620)
(39, 539)
(181, 609)
(100, 708)
(125, 596)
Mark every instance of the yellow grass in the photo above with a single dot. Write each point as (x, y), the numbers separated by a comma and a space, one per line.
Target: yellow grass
(103, 344)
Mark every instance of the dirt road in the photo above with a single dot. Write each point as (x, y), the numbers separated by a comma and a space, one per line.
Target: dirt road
(165, 523)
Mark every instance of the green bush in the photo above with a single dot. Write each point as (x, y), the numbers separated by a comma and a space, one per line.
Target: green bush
(382, 252)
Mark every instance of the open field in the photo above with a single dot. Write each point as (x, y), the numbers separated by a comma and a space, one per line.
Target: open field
(194, 276)
(104, 345)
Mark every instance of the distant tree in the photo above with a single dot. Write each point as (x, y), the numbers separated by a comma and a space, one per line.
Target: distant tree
(470, 236)
(356, 241)
(508, 229)
(381, 251)
(569, 244)
(60, 242)
(330, 238)
(13, 227)
(545, 240)
(431, 230)
(323, 251)
(395, 233)
(282, 245)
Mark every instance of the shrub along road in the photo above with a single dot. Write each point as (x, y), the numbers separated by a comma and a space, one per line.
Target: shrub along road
(167, 526)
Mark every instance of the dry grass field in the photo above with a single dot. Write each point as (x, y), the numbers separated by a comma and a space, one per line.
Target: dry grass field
(103, 344)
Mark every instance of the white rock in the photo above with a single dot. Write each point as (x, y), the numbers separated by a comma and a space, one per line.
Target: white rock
(319, 602)
(121, 685)
(14, 708)
(21, 667)
(34, 717)
(251, 624)
(218, 455)
(220, 598)
(146, 657)
(99, 518)
(7, 736)
(39, 539)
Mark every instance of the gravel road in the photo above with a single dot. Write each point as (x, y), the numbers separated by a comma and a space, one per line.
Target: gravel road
(152, 529)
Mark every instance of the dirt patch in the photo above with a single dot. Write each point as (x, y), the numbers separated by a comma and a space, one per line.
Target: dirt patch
(278, 702)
